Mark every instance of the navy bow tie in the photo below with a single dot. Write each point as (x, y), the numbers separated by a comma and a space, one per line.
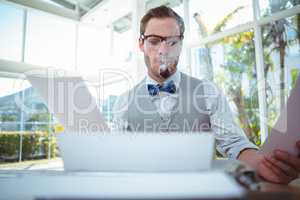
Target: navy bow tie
(168, 87)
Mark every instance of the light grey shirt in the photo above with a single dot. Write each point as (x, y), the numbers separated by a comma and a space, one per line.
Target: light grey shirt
(230, 138)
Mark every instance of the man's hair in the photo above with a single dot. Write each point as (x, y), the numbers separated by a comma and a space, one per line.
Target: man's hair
(161, 12)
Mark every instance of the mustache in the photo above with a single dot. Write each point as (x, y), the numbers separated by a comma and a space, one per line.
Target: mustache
(165, 73)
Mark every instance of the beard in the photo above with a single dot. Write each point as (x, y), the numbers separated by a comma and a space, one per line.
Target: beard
(164, 73)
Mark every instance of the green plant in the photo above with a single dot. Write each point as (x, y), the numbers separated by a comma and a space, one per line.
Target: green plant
(34, 145)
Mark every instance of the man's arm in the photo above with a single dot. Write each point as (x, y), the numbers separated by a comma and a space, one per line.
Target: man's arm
(281, 167)
(230, 138)
(231, 141)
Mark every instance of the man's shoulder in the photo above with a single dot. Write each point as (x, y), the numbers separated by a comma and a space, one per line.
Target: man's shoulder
(196, 80)
(209, 87)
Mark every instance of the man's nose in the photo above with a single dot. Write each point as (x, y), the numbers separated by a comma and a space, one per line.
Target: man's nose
(163, 48)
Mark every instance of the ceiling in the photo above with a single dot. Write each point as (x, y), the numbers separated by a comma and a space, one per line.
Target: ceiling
(112, 12)
(73, 9)
(84, 6)
(101, 13)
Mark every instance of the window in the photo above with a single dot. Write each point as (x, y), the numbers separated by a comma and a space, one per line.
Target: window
(11, 26)
(208, 17)
(109, 48)
(231, 64)
(268, 7)
(50, 41)
(25, 123)
(123, 46)
(93, 49)
(11, 91)
(282, 62)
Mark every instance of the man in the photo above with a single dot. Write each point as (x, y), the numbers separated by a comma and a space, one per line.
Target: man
(168, 100)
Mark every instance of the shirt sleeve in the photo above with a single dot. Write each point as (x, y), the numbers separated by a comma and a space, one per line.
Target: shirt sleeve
(230, 138)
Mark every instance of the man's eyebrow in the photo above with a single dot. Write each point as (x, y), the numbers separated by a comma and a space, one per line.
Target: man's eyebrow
(153, 35)
(150, 35)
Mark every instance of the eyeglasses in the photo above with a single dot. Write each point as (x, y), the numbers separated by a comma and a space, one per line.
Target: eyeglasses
(155, 41)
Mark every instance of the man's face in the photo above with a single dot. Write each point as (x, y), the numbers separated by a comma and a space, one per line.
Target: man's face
(161, 47)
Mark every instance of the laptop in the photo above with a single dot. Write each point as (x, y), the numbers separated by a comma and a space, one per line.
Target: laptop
(136, 152)
(98, 149)
(70, 100)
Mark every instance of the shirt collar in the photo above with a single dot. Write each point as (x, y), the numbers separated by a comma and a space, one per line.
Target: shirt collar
(174, 77)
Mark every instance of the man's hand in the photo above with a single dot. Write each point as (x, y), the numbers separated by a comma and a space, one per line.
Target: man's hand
(281, 167)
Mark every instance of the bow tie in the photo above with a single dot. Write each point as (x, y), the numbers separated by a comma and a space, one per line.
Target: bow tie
(155, 89)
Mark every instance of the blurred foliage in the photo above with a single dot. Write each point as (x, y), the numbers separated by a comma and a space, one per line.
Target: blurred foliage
(295, 74)
(8, 118)
(34, 146)
(240, 72)
(238, 75)
(39, 117)
(35, 138)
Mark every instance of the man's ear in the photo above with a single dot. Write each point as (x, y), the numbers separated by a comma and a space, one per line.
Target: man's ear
(141, 45)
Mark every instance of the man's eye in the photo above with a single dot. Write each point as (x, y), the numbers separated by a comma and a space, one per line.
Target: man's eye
(154, 41)
(171, 43)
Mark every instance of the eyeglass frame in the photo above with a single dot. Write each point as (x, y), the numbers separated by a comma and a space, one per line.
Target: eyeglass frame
(144, 37)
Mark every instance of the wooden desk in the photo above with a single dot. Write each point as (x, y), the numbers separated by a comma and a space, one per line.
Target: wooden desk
(267, 191)
(47, 182)
(271, 191)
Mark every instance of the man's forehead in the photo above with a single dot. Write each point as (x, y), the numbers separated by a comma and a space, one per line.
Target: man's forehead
(162, 27)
